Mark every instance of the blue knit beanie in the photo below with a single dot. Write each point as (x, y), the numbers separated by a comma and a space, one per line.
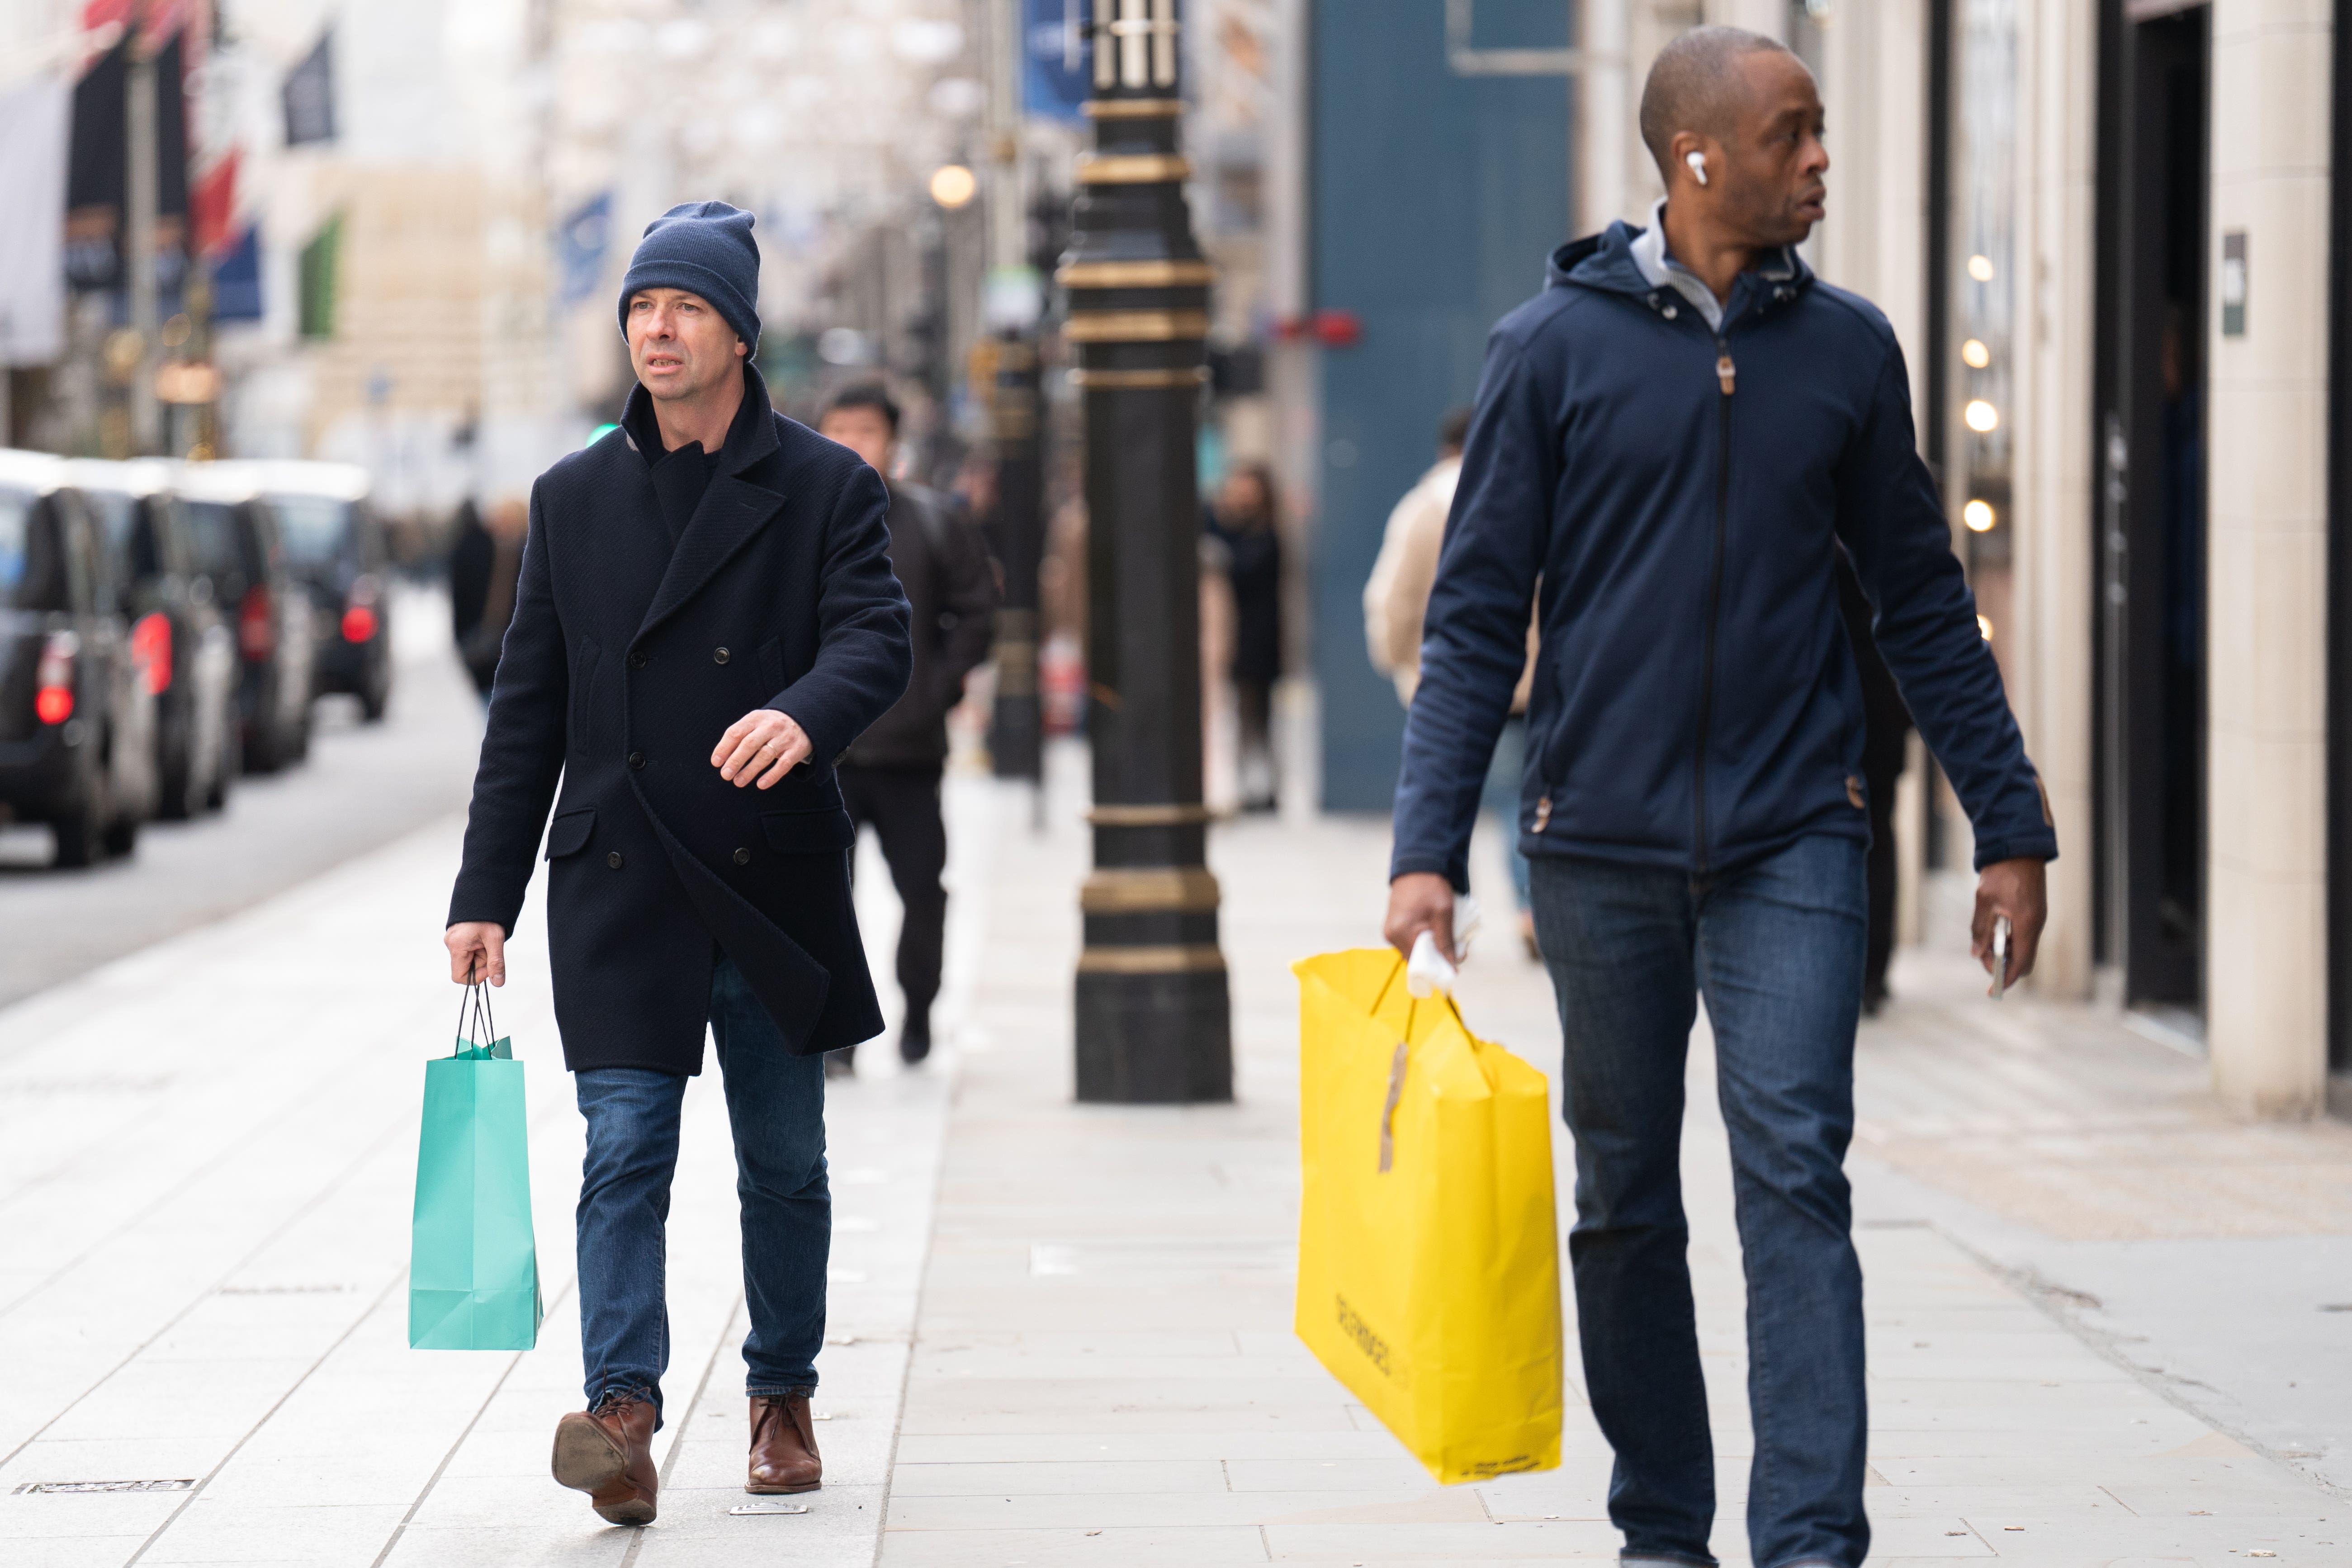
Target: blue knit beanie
(706, 248)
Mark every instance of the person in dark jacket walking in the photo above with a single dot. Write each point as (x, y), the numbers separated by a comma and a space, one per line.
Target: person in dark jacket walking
(1885, 746)
(484, 564)
(1245, 522)
(892, 776)
(706, 621)
(1670, 443)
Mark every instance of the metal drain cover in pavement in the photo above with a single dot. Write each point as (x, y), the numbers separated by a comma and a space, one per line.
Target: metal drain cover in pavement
(770, 1508)
(178, 1486)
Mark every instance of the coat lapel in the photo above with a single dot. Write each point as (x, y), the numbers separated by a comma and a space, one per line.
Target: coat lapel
(730, 512)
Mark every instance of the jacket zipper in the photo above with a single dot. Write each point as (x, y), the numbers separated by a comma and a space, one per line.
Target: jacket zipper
(1726, 377)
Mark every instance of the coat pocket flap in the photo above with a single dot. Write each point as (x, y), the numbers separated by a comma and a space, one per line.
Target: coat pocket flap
(820, 830)
(568, 834)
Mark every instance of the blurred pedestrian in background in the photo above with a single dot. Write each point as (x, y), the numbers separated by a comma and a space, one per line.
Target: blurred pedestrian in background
(484, 564)
(1671, 444)
(1396, 599)
(706, 604)
(890, 779)
(1886, 748)
(1245, 519)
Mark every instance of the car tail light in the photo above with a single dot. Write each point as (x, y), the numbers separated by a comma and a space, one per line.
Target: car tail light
(151, 645)
(360, 619)
(53, 692)
(257, 629)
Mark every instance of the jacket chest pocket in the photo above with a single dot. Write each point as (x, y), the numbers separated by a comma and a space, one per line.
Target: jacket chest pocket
(583, 695)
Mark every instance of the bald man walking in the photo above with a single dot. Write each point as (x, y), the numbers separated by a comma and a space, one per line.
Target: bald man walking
(1672, 444)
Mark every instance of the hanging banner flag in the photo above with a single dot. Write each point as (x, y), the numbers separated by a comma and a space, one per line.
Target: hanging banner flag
(580, 245)
(212, 207)
(1054, 69)
(310, 95)
(33, 115)
(236, 279)
(98, 170)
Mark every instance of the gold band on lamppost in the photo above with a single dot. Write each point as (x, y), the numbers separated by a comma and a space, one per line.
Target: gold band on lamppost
(1155, 274)
(1138, 380)
(1136, 326)
(1142, 889)
(1173, 958)
(1133, 168)
(1132, 108)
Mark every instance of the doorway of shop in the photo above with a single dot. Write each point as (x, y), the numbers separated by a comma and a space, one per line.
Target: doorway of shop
(2153, 247)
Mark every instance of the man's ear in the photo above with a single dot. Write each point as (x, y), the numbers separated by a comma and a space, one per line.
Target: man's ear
(742, 349)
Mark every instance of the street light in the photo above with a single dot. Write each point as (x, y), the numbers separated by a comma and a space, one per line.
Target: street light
(952, 185)
(1154, 1023)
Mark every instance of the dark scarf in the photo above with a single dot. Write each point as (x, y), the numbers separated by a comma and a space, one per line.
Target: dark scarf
(681, 476)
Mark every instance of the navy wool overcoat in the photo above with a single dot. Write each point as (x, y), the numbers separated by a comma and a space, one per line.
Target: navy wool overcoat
(626, 660)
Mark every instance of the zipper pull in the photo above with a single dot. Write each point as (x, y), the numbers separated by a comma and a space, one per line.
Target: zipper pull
(1725, 372)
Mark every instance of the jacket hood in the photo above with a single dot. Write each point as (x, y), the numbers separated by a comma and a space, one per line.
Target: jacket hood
(1605, 261)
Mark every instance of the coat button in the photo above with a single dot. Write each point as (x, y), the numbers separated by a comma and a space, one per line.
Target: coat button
(614, 860)
(719, 655)
(742, 857)
(637, 759)
(638, 660)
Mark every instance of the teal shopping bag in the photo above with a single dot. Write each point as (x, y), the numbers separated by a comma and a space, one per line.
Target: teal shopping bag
(473, 1273)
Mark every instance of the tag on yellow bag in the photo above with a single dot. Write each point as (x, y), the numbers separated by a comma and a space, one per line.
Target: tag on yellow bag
(1428, 1253)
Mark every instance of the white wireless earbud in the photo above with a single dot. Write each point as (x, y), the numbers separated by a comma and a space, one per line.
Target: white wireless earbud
(1697, 161)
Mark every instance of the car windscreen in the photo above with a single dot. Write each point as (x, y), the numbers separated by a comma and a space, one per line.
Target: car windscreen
(212, 537)
(315, 531)
(131, 546)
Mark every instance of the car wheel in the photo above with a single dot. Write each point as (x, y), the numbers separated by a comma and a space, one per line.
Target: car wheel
(376, 696)
(177, 795)
(80, 833)
(123, 836)
(226, 766)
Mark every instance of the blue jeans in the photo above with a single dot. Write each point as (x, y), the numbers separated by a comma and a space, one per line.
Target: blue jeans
(776, 1102)
(1776, 948)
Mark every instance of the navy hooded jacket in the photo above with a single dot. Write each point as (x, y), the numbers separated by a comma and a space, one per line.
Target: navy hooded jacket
(1673, 500)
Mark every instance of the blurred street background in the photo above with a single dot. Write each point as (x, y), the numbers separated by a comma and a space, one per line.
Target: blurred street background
(297, 297)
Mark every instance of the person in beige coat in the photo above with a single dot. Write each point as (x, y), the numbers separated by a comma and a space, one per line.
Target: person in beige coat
(1395, 599)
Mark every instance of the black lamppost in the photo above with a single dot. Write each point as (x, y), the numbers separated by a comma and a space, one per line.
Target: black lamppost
(1154, 1024)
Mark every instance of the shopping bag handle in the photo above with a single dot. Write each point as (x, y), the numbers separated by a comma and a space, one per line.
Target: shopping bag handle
(477, 999)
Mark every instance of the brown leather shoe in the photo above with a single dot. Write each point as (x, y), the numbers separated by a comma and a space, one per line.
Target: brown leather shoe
(783, 1445)
(607, 1453)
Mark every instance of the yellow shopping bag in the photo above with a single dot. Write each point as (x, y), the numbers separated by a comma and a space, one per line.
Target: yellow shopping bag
(1428, 1260)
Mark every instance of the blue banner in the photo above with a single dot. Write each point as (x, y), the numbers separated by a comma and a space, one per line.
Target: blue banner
(580, 245)
(237, 279)
(1055, 58)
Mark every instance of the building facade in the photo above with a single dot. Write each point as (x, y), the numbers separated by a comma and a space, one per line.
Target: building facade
(2107, 234)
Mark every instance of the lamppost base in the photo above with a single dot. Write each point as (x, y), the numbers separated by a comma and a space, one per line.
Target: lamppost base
(1154, 1039)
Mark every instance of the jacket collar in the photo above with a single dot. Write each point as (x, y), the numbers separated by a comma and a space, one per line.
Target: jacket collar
(751, 438)
(1608, 262)
(732, 510)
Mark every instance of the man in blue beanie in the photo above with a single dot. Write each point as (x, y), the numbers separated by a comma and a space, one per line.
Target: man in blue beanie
(707, 618)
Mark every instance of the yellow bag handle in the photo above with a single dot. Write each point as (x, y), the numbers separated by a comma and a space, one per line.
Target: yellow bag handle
(1397, 1061)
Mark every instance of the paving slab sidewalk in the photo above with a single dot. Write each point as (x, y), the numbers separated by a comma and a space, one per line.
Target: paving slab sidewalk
(1104, 1371)
(207, 1157)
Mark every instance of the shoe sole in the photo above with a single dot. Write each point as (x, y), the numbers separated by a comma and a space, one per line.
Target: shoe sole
(782, 1491)
(584, 1457)
(630, 1513)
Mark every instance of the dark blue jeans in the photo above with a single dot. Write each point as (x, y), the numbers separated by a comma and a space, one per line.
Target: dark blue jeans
(776, 1102)
(1776, 948)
